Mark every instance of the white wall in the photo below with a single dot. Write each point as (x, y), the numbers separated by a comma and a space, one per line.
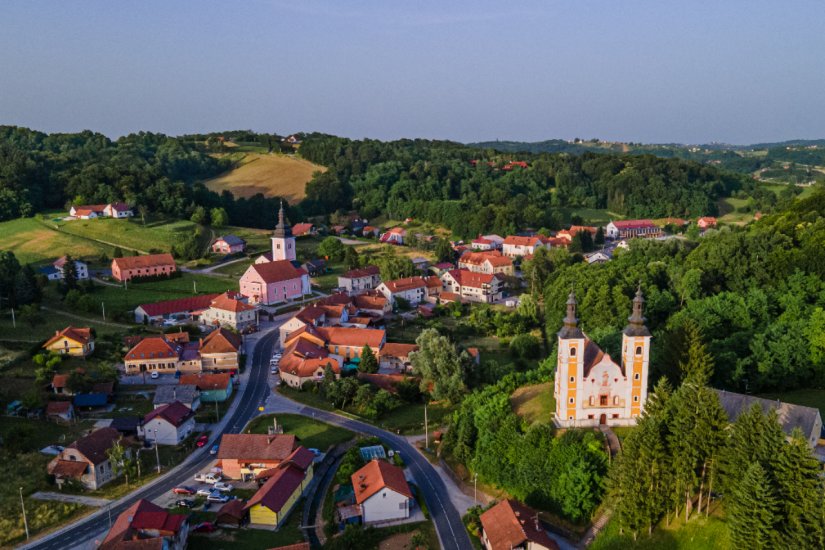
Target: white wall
(385, 505)
(167, 433)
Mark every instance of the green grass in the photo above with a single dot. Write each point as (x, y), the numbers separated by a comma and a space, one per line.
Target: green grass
(252, 539)
(809, 398)
(592, 216)
(700, 533)
(312, 433)
(41, 433)
(51, 321)
(33, 242)
(534, 403)
(236, 269)
(130, 233)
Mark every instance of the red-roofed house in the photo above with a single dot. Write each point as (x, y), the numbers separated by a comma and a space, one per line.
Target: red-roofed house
(180, 308)
(358, 280)
(396, 356)
(274, 282)
(75, 341)
(412, 289)
(706, 222)
(473, 287)
(154, 353)
(168, 425)
(303, 230)
(487, 262)
(511, 525)
(86, 460)
(242, 456)
(145, 525)
(382, 492)
(628, 229)
(568, 234)
(225, 310)
(60, 411)
(220, 350)
(88, 211)
(132, 267)
(394, 236)
(515, 246)
(284, 486)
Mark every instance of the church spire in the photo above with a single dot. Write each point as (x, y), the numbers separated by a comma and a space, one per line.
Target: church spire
(571, 323)
(283, 229)
(636, 321)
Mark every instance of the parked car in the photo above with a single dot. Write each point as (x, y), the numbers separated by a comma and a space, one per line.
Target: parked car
(273, 370)
(316, 452)
(185, 503)
(155, 375)
(214, 449)
(205, 527)
(183, 490)
(202, 440)
(223, 487)
(217, 497)
(210, 478)
(205, 491)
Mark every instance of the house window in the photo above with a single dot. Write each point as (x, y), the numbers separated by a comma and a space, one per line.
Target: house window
(635, 398)
(592, 401)
(602, 400)
(572, 379)
(638, 350)
(636, 376)
(572, 400)
(615, 399)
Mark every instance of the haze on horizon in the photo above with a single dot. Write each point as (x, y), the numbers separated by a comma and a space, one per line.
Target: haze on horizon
(692, 72)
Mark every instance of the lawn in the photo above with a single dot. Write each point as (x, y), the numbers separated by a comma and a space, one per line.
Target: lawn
(534, 403)
(51, 321)
(272, 174)
(252, 539)
(33, 242)
(40, 433)
(312, 433)
(157, 235)
(809, 398)
(700, 533)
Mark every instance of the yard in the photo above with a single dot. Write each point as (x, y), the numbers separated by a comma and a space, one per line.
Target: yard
(51, 321)
(534, 403)
(312, 433)
(33, 242)
(158, 235)
(252, 539)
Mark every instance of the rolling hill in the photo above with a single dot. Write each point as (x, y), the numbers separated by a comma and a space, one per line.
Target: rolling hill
(274, 175)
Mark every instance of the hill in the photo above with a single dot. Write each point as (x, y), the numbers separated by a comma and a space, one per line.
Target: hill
(271, 174)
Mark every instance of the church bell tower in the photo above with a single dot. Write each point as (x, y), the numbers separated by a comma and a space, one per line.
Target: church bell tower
(570, 366)
(283, 243)
(636, 355)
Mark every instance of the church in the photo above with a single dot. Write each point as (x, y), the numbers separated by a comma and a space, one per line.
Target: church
(274, 278)
(591, 388)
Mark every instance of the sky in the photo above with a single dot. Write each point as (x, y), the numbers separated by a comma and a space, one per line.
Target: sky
(736, 71)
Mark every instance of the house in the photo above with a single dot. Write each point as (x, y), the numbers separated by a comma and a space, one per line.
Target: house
(212, 387)
(60, 384)
(412, 289)
(145, 525)
(303, 230)
(179, 308)
(220, 350)
(473, 287)
(232, 515)
(126, 425)
(568, 234)
(118, 210)
(396, 357)
(60, 411)
(515, 246)
(86, 461)
(382, 492)
(74, 341)
(225, 310)
(285, 485)
(598, 257)
(480, 243)
(228, 244)
(157, 353)
(88, 211)
(242, 456)
(420, 263)
(50, 272)
(790, 416)
(590, 388)
(315, 267)
(355, 281)
(187, 394)
(168, 425)
(487, 262)
(371, 303)
(81, 269)
(628, 229)
(511, 525)
(152, 265)
(274, 282)
(394, 236)
(370, 231)
(706, 222)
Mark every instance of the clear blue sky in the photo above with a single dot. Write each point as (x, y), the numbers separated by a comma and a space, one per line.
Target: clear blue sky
(656, 71)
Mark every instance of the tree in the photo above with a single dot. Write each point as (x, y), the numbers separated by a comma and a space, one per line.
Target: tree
(393, 266)
(332, 248)
(69, 273)
(369, 363)
(698, 364)
(439, 365)
(219, 217)
(26, 289)
(598, 240)
(9, 266)
(752, 511)
(143, 210)
(200, 216)
(525, 346)
(800, 494)
(444, 251)
(30, 314)
(351, 258)
(118, 252)
(120, 460)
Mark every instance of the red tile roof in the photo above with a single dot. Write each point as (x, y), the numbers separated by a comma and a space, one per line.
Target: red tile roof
(220, 341)
(470, 279)
(178, 305)
(301, 229)
(495, 258)
(153, 347)
(633, 224)
(392, 349)
(376, 475)
(256, 446)
(175, 413)
(510, 524)
(67, 468)
(58, 407)
(225, 303)
(352, 336)
(151, 260)
(367, 271)
(277, 271)
(298, 546)
(140, 515)
(275, 493)
(95, 445)
(205, 382)
(522, 241)
(81, 335)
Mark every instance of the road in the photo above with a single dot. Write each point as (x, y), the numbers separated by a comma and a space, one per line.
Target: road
(96, 525)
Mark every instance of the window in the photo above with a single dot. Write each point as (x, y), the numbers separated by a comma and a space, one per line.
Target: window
(615, 416)
(635, 398)
(590, 417)
(638, 350)
(572, 379)
(602, 400)
(615, 399)
(570, 418)
(636, 376)
(592, 401)
(572, 352)
(572, 400)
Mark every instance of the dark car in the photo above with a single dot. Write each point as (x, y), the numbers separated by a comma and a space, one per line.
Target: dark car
(185, 503)
(205, 527)
(183, 490)
(202, 440)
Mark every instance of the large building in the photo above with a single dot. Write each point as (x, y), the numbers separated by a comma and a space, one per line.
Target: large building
(412, 289)
(473, 287)
(165, 354)
(133, 267)
(358, 280)
(515, 246)
(178, 309)
(487, 262)
(628, 229)
(242, 456)
(227, 311)
(590, 387)
(274, 282)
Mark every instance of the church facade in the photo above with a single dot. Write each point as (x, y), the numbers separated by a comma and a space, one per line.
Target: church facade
(590, 387)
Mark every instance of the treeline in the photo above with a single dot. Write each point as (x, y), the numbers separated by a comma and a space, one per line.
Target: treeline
(436, 181)
(156, 173)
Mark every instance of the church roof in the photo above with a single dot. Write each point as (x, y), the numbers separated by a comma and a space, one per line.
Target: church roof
(283, 229)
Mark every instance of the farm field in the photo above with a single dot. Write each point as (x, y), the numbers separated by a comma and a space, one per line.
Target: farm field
(32, 242)
(273, 175)
(130, 233)
(311, 433)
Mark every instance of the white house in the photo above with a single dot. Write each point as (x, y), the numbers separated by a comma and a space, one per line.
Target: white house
(516, 246)
(168, 425)
(412, 289)
(382, 492)
(81, 269)
(226, 310)
(118, 210)
(355, 281)
(394, 236)
(473, 287)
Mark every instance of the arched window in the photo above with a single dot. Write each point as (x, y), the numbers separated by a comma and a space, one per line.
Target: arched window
(615, 399)
(638, 350)
(572, 352)
(572, 379)
(592, 400)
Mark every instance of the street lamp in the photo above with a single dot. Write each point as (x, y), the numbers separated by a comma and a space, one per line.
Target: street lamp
(475, 489)
(157, 453)
(25, 521)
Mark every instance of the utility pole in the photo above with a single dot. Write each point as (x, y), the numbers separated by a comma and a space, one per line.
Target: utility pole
(194, 286)
(25, 521)
(475, 489)
(217, 412)
(103, 307)
(13, 322)
(426, 429)
(157, 452)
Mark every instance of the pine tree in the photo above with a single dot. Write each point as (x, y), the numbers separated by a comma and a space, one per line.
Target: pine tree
(369, 363)
(69, 273)
(697, 366)
(118, 252)
(26, 289)
(754, 437)
(800, 492)
(598, 240)
(752, 511)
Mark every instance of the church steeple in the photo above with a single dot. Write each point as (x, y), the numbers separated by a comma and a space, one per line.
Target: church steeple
(283, 243)
(571, 323)
(636, 321)
(283, 229)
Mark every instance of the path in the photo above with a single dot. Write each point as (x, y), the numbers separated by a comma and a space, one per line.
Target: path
(85, 319)
(615, 447)
(77, 499)
(210, 268)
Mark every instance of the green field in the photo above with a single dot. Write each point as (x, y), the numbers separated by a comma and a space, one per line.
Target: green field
(534, 403)
(252, 539)
(700, 533)
(51, 321)
(33, 242)
(130, 233)
(311, 433)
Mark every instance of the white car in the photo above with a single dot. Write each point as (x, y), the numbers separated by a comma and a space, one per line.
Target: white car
(273, 370)
(217, 497)
(209, 478)
(204, 492)
(223, 487)
(155, 375)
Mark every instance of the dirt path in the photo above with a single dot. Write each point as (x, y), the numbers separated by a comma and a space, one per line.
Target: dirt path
(86, 319)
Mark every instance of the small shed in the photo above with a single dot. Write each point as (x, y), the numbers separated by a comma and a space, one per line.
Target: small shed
(232, 514)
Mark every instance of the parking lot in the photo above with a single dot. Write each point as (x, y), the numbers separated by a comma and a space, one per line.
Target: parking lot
(240, 489)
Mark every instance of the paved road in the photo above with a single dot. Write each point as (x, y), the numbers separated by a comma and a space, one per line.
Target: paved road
(96, 525)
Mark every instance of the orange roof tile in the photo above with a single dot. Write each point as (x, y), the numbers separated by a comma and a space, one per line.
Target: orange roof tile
(510, 524)
(81, 335)
(277, 271)
(256, 446)
(206, 382)
(376, 475)
(220, 341)
(225, 303)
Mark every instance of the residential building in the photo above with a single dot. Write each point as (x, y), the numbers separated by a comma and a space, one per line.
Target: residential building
(628, 229)
(74, 341)
(315, 267)
(157, 353)
(370, 231)
(412, 289)
(274, 282)
(211, 387)
(568, 234)
(371, 303)
(227, 311)
(473, 287)
(220, 351)
(152, 265)
(598, 257)
(118, 210)
(487, 262)
(86, 461)
(303, 230)
(81, 269)
(60, 411)
(145, 525)
(591, 389)
(480, 243)
(187, 394)
(706, 222)
(179, 309)
(284, 486)
(87, 211)
(396, 357)
(228, 244)
(510, 525)
(304, 361)
(515, 246)
(355, 281)
(168, 425)
(807, 419)
(382, 492)
(60, 383)
(394, 236)
(242, 456)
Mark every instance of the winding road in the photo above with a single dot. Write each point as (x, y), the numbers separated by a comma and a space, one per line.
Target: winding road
(446, 518)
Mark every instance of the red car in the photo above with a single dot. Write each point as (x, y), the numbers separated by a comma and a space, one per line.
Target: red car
(183, 490)
(205, 527)
(202, 440)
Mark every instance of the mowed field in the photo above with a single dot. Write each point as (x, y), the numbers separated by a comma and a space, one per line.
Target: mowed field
(33, 242)
(274, 175)
(131, 234)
